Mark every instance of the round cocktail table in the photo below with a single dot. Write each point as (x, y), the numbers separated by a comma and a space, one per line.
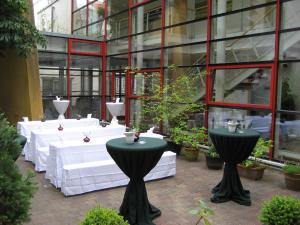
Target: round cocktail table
(233, 148)
(136, 161)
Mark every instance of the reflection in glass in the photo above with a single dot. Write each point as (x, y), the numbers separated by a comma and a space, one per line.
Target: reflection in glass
(186, 55)
(117, 26)
(289, 45)
(146, 41)
(85, 62)
(288, 91)
(259, 121)
(290, 14)
(117, 46)
(187, 33)
(251, 49)
(115, 6)
(287, 135)
(85, 47)
(178, 11)
(244, 86)
(79, 19)
(148, 59)
(118, 62)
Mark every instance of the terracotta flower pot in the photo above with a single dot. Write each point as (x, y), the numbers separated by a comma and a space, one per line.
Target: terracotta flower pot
(214, 163)
(253, 173)
(190, 153)
(292, 181)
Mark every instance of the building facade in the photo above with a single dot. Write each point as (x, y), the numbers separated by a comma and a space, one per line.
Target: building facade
(245, 52)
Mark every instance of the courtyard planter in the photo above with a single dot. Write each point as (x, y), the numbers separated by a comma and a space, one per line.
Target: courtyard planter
(214, 163)
(292, 181)
(189, 153)
(253, 173)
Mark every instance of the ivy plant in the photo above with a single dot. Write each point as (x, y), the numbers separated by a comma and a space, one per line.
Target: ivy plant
(16, 30)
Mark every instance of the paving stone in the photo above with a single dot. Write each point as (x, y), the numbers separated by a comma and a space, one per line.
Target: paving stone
(174, 196)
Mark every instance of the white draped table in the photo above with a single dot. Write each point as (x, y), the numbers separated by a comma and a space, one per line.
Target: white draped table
(40, 140)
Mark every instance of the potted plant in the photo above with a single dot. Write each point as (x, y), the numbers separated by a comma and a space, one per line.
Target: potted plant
(101, 12)
(292, 177)
(281, 210)
(100, 216)
(213, 160)
(251, 168)
(190, 140)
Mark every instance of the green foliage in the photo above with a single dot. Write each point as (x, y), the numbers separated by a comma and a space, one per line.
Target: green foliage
(171, 102)
(8, 145)
(212, 152)
(203, 212)
(291, 169)
(281, 210)
(16, 191)
(189, 137)
(261, 148)
(16, 31)
(101, 11)
(103, 216)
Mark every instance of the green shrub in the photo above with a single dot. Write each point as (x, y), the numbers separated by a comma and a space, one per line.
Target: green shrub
(291, 169)
(281, 210)
(8, 143)
(102, 216)
(16, 192)
(212, 152)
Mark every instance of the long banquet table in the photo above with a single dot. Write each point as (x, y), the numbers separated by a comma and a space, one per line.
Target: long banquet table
(40, 140)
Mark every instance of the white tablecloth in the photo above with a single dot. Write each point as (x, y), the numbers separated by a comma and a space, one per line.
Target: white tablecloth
(75, 152)
(25, 128)
(42, 138)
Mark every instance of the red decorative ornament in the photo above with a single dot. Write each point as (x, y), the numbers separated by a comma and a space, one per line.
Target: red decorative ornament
(86, 139)
(60, 128)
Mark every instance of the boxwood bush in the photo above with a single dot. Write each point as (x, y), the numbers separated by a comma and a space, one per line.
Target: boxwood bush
(281, 210)
(103, 216)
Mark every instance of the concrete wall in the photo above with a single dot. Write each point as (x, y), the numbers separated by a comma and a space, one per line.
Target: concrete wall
(20, 86)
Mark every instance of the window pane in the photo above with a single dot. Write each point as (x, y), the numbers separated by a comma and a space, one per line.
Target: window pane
(115, 6)
(85, 62)
(288, 94)
(259, 121)
(79, 18)
(117, 46)
(221, 6)
(143, 84)
(186, 55)
(289, 46)
(247, 22)
(80, 33)
(53, 60)
(78, 4)
(178, 11)
(84, 82)
(148, 59)
(84, 105)
(288, 136)
(55, 44)
(117, 26)
(53, 82)
(188, 33)
(244, 86)
(149, 15)
(251, 49)
(96, 12)
(290, 14)
(146, 41)
(96, 30)
(117, 62)
(85, 47)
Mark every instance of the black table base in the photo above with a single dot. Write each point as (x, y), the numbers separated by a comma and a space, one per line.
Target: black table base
(136, 208)
(231, 188)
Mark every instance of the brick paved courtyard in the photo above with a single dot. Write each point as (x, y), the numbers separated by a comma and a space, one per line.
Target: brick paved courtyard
(174, 196)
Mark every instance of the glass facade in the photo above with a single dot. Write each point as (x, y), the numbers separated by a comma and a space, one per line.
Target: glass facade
(244, 53)
(72, 69)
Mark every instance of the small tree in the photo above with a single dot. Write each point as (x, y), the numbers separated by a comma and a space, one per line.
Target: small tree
(16, 31)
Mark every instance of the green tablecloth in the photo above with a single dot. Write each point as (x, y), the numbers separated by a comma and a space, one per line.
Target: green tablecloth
(136, 161)
(233, 148)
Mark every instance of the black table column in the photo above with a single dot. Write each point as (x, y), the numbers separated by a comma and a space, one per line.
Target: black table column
(233, 148)
(136, 161)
